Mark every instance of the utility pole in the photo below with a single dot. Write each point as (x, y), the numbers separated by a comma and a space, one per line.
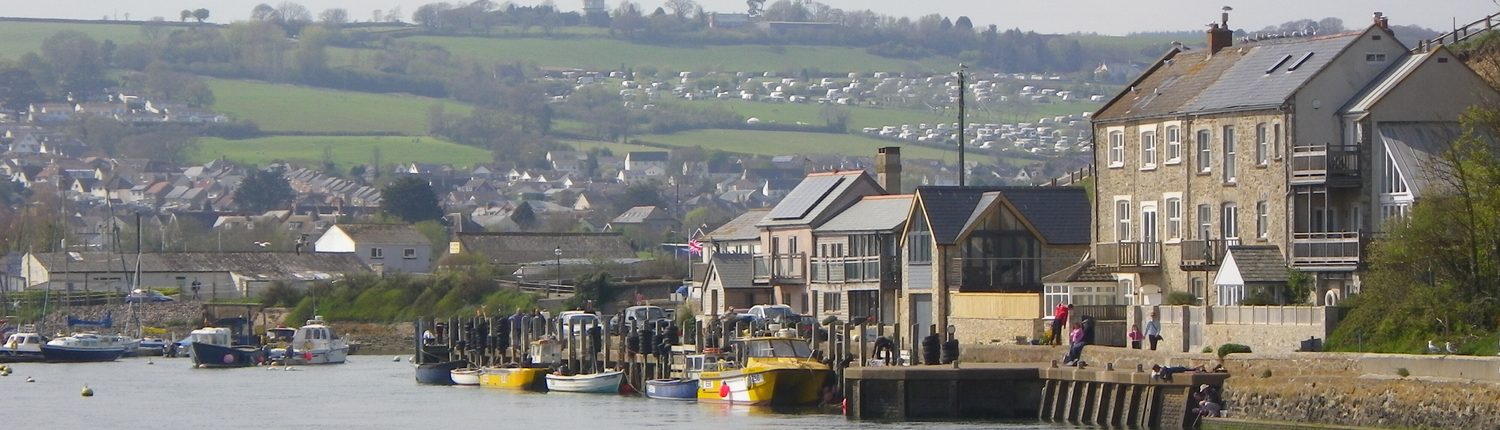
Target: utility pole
(962, 121)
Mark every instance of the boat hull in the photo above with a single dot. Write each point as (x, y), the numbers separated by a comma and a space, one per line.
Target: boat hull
(513, 378)
(672, 389)
(319, 356)
(782, 387)
(438, 373)
(8, 356)
(220, 356)
(465, 376)
(606, 382)
(64, 354)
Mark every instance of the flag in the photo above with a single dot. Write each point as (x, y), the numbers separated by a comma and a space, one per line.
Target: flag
(695, 247)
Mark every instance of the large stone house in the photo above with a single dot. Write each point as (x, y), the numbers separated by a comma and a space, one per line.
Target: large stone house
(1303, 145)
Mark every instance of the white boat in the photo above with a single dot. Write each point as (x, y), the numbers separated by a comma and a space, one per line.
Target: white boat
(129, 344)
(23, 346)
(81, 347)
(316, 343)
(464, 376)
(604, 382)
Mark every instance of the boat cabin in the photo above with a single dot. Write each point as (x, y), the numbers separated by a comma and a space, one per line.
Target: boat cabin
(212, 336)
(24, 342)
(776, 347)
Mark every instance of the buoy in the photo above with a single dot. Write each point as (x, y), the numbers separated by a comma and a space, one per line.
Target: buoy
(87, 392)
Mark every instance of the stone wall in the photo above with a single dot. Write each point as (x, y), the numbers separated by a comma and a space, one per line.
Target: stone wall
(995, 331)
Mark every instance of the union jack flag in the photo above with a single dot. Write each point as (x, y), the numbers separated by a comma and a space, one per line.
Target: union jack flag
(695, 247)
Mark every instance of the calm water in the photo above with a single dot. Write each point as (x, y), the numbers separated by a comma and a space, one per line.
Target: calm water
(368, 392)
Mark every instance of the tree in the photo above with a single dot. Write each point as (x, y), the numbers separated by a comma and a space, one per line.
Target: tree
(682, 8)
(17, 88)
(200, 14)
(185, 15)
(410, 198)
(334, 18)
(263, 190)
(266, 13)
(75, 60)
(964, 24)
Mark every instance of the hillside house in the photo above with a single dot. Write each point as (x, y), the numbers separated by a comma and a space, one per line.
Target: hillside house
(386, 248)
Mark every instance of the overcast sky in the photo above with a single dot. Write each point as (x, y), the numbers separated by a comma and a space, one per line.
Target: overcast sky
(1047, 16)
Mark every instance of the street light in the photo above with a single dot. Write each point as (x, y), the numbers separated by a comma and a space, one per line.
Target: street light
(557, 252)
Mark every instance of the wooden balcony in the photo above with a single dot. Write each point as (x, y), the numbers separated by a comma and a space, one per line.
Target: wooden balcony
(785, 268)
(1203, 254)
(1128, 256)
(1330, 249)
(1334, 166)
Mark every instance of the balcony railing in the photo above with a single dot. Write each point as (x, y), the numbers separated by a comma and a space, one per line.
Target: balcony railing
(1203, 254)
(1128, 255)
(836, 270)
(779, 267)
(1326, 249)
(1331, 165)
(995, 274)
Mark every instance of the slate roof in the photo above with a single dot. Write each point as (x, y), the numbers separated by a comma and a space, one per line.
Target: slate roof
(1414, 146)
(741, 227)
(1260, 263)
(1163, 90)
(948, 208)
(641, 215)
(264, 265)
(384, 234)
(1082, 271)
(644, 156)
(871, 213)
(1246, 85)
(515, 248)
(818, 192)
(1060, 214)
(735, 270)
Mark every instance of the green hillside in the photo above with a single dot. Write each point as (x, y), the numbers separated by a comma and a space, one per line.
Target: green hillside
(305, 109)
(773, 143)
(347, 151)
(21, 37)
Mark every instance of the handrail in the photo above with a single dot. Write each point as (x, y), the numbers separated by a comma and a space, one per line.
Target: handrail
(1459, 34)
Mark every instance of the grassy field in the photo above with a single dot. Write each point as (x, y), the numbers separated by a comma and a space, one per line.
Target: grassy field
(600, 53)
(293, 108)
(786, 142)
(21, 37)
(618, 149)
(347, 151)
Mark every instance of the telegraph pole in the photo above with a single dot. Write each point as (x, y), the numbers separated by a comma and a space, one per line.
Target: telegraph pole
(962, 122)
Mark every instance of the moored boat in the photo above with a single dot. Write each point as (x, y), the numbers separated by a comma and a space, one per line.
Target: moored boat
(316, 343)
(775, 371)
(24, 346)
(603, 382)
(81, 347)
(464, 376)
(672, 389)
(152, 346)
(513, 378)
(214, 347)
(438, 373)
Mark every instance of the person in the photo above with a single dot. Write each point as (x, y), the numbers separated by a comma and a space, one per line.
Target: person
(1059, 320)
(1207, 409)
(428, 337)
(885, 351)
(1153, 330)
(930, 346)
(1135, 336)
(588, 306)
(596, 339)
(1165, 373)
(1075, 348)
(1206, 393)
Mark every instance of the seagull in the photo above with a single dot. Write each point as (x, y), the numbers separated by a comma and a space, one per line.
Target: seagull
(1432, 348)
(262, 244)
(1448, 346)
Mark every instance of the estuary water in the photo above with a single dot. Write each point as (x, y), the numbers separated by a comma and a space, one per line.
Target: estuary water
(369, 392)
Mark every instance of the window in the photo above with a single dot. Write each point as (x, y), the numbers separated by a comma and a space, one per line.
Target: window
(1262, 220)
(1174, 218)
(1229, 168)
(831, 302)
(1262, 145)
(1276, 140)
(1391, 181)
(1231, 295)
(919, 247)
(1122, 214)
(1055, 295)
(1174, 145)
(377, 253)
(1200, 289)
(1205, 221)
(1229, 222)
(409, 253)
(1148, 150)
(1116, 149)
(1205, 152)
(1375, 57)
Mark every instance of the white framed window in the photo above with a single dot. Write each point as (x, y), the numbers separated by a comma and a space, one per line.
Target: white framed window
(1174, 218)
(1231, 295)
(1122, 218)
(1056, 295)
(1174, 144)
(1262, 220)
(409, 253)
(1205, 221)
(1199, 288)
(1205, 151)
(1148, 150)
(1262, 145)
(1116, 149)
(1230, 175)
(1229, 221)
(377, 253)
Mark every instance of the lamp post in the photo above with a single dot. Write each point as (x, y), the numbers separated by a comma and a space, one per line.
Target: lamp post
(557, 252)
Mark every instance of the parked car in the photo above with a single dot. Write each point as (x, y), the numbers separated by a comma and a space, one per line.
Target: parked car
(640, 316)
(568, 319)
(146, 296)
(764, 315)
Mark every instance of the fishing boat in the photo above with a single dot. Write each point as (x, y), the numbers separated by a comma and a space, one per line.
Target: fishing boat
(513, 378)
(683, 388)
(764, 371)
(81, 347)
(215, 347)
(317, 343)
(603, 382)
(22, 346)
(464, 376)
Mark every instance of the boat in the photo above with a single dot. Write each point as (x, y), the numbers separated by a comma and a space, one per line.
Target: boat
(603, 382)
(215, 347)
(152, 346)
(131, 345)
(316, 343)
(684, 388)
(22, 346)
(81, 347)
(513, 378)
(438, 373)
(464, 376)
(764, 371)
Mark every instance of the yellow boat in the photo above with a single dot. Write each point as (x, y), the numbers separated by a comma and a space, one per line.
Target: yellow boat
(774, 371)
(513, 378)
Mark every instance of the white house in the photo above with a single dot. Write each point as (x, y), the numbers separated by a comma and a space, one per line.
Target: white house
(384, 247)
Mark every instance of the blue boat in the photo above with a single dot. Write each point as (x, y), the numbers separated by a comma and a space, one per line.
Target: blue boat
(214, 347)
(672, 389)
(438, 373)
(80, 348)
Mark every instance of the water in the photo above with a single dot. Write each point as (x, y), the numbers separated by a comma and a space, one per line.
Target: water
(368, 392)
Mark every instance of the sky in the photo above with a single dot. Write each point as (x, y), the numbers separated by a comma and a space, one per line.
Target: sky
(1117, 17)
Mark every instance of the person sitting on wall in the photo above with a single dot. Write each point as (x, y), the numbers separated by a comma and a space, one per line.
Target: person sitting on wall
(1165, 373)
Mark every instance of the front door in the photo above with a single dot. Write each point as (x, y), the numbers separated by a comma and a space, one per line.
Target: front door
(921, 319)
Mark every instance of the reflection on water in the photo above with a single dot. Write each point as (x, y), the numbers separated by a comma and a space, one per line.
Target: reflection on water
(368, 392)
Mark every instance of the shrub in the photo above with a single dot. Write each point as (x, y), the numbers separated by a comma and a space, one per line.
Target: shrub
(1265, 373)
(1403, 372)
(1179, 298)
(1208, 349)
(1231, 348)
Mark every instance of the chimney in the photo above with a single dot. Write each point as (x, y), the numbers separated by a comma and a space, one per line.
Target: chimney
(1219, 34)
(1382, 22)
(888, 169)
